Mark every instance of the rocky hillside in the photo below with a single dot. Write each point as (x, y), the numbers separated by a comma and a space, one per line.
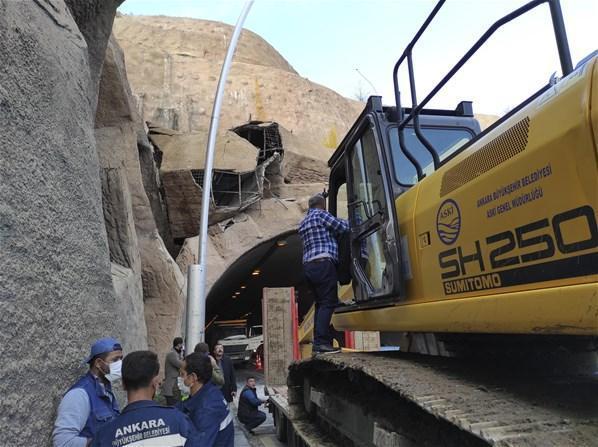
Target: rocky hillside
(174, 64)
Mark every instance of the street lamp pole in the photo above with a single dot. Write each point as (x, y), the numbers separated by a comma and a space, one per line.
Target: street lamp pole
(196, 273)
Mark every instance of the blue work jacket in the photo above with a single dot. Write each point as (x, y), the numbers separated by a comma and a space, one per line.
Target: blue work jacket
(102, 403)
(147, 423)
(211, 417)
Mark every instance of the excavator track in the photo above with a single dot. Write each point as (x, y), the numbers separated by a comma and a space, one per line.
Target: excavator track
(430, 401)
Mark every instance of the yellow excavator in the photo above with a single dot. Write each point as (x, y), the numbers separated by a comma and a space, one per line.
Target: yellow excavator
(464, 240)
(454, 230)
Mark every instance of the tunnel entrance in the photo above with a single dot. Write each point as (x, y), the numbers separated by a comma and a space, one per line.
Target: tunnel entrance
(237, 295)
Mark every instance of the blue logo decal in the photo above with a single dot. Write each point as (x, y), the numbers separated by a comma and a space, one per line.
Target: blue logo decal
(448, 221)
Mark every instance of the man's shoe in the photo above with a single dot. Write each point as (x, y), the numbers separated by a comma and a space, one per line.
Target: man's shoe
(325, 349)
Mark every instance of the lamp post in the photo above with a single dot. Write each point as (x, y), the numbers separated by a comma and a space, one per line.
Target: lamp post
(196, 273)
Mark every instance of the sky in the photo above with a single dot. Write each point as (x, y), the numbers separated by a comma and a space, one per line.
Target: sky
(351, 46)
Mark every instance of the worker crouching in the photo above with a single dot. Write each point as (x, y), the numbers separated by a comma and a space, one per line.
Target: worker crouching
(248, 412)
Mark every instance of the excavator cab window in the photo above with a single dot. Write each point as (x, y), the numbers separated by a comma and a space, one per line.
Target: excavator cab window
(445, 140)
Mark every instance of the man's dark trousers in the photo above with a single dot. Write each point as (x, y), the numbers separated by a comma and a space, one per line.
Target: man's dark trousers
(322, 278)
(230, 382)
(253, 421)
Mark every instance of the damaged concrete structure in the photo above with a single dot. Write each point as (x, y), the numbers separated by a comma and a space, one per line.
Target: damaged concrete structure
(247, 167)
(265, 136)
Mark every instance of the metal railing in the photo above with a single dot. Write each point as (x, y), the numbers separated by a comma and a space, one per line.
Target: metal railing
(416, 108)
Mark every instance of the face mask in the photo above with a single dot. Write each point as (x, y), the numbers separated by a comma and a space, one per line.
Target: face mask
(115, 371)
(184, 388)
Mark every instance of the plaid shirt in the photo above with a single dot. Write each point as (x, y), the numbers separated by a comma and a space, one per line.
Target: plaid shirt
(319, 231)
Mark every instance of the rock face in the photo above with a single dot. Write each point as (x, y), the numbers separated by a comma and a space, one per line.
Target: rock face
(153, 280)
(94, 19)
(124, 254)
(174, 64)
(56, 290)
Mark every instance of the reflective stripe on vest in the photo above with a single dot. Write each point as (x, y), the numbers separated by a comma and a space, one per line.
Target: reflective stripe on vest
(227, 420)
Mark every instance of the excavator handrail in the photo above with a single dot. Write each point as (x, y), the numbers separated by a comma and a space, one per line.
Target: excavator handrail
(564, 56)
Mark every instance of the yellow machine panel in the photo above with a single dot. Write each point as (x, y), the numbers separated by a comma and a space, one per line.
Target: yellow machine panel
(504, 237)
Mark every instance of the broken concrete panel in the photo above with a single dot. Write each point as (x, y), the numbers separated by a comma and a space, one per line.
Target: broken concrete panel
(299, 169)
(188, 151)
(231, 193)
(237, 183)
(264, 136)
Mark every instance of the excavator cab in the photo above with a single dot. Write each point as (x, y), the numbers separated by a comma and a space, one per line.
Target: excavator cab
(368, 173)
(391, 150)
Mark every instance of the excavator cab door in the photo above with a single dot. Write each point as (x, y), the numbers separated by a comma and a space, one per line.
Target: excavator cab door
(375, 254)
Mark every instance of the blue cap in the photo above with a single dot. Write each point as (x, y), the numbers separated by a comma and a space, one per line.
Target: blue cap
(102, 346)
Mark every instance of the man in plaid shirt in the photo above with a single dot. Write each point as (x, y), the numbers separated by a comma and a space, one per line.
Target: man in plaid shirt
(319, 231)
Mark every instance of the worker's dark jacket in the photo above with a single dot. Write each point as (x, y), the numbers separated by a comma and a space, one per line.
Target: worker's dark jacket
(102, 404)
(230, 382)
(147, 423)
(248, 404)
(209, 413)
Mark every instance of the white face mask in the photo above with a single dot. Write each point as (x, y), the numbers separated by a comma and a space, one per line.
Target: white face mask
(184, 388)
(115, 371)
